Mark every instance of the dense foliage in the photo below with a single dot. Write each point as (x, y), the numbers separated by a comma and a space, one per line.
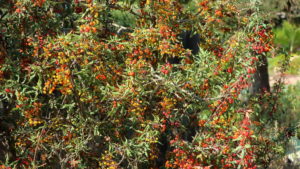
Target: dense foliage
(78, 92)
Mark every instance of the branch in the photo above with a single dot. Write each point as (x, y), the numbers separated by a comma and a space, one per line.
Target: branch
(121, 28)
(3, 15)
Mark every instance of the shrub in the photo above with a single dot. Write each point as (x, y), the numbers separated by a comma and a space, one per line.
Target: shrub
(77, 95)
(287, 36)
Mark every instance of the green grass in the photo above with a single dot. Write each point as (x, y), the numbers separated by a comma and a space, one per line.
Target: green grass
(288, 38)
(294, 67)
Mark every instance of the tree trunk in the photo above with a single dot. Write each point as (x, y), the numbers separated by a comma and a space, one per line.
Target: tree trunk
(261, 77)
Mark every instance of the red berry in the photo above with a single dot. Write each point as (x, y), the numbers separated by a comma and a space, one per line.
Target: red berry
(78, 9)
(249, 71)
(230, 70)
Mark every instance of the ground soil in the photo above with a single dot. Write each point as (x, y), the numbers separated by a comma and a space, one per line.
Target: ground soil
(287, 79)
